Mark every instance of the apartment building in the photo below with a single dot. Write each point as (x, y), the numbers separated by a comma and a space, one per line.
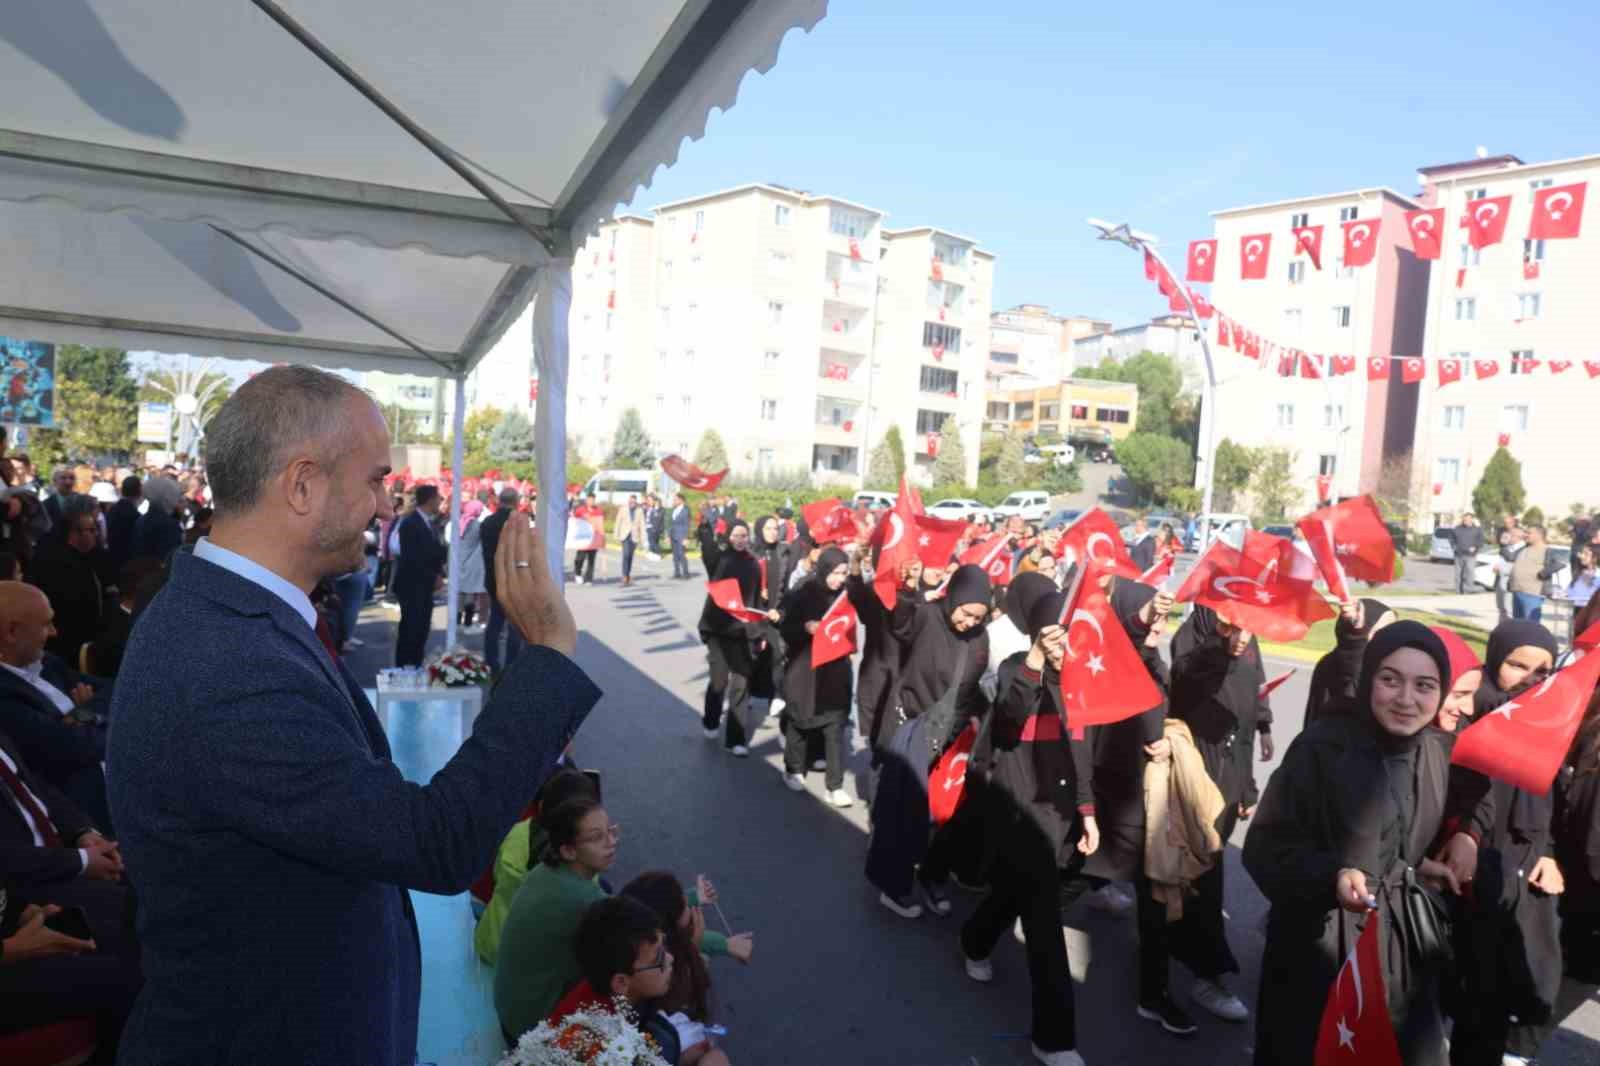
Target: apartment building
(1029, 342)
(1522, 308)
(421, 400)
(1169, 334)
(1343, 427)
(1078, 409)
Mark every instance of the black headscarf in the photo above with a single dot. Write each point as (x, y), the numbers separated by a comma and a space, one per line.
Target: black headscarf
(1507, 637)
(1387, 641)
(830, 558)
(1371, 610)
(969, 584)
(1045, 611)
(1025, 591)
(1127, 600)
(758, 545)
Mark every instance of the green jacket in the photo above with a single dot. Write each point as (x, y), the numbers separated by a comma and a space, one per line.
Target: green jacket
(510, 867)
(538, 958)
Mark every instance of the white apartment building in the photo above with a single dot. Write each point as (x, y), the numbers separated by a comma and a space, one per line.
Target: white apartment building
(1343, 427)
(423, 399)
(1172, 335)
(1516, 300)
(1029, 344)
(791, 323)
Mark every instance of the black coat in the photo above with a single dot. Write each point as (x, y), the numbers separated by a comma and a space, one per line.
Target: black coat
(75, 584)
(1218, 696)
(489, 531)
(931, 651)
(1576, 834)
(120, 520)
(1328, 807)
(814, 697)
(722, 564)
(422, 556)
(22, 860)
(878, 687)
(156, 536)
(1143, 552)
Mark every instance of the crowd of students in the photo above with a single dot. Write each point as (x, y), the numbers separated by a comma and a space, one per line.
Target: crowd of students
(1488, 897)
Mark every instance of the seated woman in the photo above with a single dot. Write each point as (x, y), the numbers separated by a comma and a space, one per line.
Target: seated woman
(537, 961)
(683, 917)
(1355, 807)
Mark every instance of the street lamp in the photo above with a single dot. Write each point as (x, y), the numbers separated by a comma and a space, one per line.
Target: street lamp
(1122, 234)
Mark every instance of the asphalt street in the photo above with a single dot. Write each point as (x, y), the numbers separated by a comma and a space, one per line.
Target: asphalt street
(836, 978)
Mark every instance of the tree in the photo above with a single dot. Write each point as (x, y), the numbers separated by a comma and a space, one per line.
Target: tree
(1009, 469)
(950, 465)
(1276, 491)
(1155, 464)
(1533, 516)
(1499, 491)
(1059, 480)
(89, 424)
(103, 370)
(887, 464)
(1235, 463)
(511, 441)
(711, 454)
(477, 429)
(632, 448)
(1160, 381)
(1395, 491)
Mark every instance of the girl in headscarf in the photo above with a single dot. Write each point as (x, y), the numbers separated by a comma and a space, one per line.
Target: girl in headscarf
(880, 658)
(1333, 682)
(769, 551)
(818, 699)
(1345, 829)
(1508, 943)
(1008, 634)
(946, 650)
(1216, 685)
(1466, 673)
(474, 596)
(1039, 824)
(727, 639)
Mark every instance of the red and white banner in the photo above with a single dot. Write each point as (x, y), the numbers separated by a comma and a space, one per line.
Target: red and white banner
(1308, 239)
(1350, 537)
(1158, 573)
(1094, 541)
(1356, 1028)
(1485, 368)
(1524, 741)
(690, 476)
(993, 557)
(1557, 212)
(1103, 680)
(726, 595)
(829, 520)
(1412, 369)
(1377, 368)
(1344, 364)
(1268, 588)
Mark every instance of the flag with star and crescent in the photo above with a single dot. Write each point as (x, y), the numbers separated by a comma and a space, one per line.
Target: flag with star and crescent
(1356, 1028)
(1524, 741)
(1103, 680)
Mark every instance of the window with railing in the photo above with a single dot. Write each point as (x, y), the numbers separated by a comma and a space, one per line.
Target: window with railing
(930, 421)
(1116, 415)
(949, 252)
(848, 223)
(1024, 411)
(939, 335)
(941, 381)
(998, 411)
(1049, 412)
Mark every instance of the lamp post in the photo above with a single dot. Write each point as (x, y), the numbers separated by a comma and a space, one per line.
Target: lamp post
(1208, 411)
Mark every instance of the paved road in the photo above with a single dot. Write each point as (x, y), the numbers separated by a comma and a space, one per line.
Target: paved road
(836, 978)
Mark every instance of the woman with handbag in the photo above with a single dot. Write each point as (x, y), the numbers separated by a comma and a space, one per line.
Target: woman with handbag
(1344, 831)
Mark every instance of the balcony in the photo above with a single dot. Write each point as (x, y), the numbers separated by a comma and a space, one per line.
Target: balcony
(842, 376)
(858, 249)
(850, 283)
(843, 331)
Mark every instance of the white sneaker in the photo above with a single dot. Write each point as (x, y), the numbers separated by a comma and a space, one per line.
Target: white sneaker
(739, 751)
(794, 782)
(1219, 1001)
(819, 765)
(1110, 900)
(577, 581)
(776, 706)
(712, 733)
(840, 798)
(1057, 1058)
(980, 970)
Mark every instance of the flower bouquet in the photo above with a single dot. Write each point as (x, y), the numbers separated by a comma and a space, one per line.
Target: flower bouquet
(595, 1037)
(458, 669)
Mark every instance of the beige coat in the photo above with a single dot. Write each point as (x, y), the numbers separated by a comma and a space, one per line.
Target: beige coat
(1181, 807)
(624, 529)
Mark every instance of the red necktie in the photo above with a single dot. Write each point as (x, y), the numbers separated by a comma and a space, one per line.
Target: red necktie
(41, 820)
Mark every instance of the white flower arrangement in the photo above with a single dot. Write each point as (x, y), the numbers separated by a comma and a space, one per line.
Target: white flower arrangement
(458, 668)
(594, 1037)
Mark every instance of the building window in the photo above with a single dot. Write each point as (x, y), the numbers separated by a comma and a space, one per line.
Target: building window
(610, 321)
(1286, 416)
(780, 214)
(1299, 221)
(1447, 471)
(1476, 194)
(1453, 416)
(1049, 412)
(1297, 272)
(949, 252)
(1533, 251)
(764, 460)
(847, 223)
(1332, 415)
(769, 410)
(1112, 415)
(688, 403)
(930, 421)
(936, 380)
(661, 354)
(998, 411)
(1466, 309)
(1004, 358)
(1514, 418)
(772, 359)
(688, 360)
(661, 404)
(1469, 256)
(666, 317)
(1341, 317)
(1519, 360)
(1326, 464)
(775, 312)
(1536, 184)
(939, 335)
(778, 262)
(699, 221)
(1527, 305)
(1349, 214)
(1292, 319)
(1080, 411)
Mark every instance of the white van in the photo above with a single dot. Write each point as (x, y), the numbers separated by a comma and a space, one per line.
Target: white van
(875, 501)
(1032, 506)
(615, 486)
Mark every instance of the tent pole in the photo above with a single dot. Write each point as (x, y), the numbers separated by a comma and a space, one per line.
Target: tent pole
(452, 598)
(551, 308)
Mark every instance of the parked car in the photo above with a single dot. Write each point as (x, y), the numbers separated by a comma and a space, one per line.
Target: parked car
(1060, 454)
(1063, 518)
(1490, 562)
(1226, 527)
(1442, 546)
(960, 510)
(874, 501)
(1033, 506)
(615, 486)
(1286, 532)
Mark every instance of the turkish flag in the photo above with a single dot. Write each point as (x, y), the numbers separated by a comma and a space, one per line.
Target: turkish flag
(1155, 272)
(1308, 239)
(894, 549)
(1267, 688)
(1176, 302)
(1350, 538)
(1324, 488)
(1202, 306)
(1377, 368)
(1252, 345)
(1356, 1027)
(1589, 639)
(1560, 366)
(1425, 226)
(1592, 367)
(1202, 264)
(611, 300)
(1529, 365)
(1224, 340)
(1413, 369)
(1286, 361)
(993, 557)
(1346, 364)
(1486, 220)
(1530, 270)
(1504, 440)
(937, 269)
(1557, 212)
(1360, 241)
(1282, 602)
(726, 594)
(1158, 573)
(855, 249)
(1524, 741)
(1253, 252)
(835, 637)
(1461, 277)
(829, 520)
(1103, 680)
(1094, 541)
(1310, 365)
(1485, 368)
(690, 476)
(1449, 371)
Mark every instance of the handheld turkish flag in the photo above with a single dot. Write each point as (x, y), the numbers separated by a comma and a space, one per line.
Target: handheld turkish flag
(1253, 252)
(934, 540)
(1103, 680)
(829, 520)
(1413, 369)
(1345, 364)
(1425, 227)
(1356, 1029)
(1589, 639)
(1557, 212)
(1308, 239)
(1268, 588)
(726, 594)
(690, 476)
(1485, 368)
(1377, 368)
(1360, 241)
(1267, 687)
(1449, 371)
(1095, 542)
(835, 637)
(1202, 261)
(1524, 741)
(1486, 221)
(1158, 573)
(993, 557)
(1350, 538)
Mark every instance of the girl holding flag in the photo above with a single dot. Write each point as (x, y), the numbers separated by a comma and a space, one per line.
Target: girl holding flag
(818, 698)
(727, 639)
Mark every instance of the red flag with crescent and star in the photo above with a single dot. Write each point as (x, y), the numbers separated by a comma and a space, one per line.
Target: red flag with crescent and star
(1425, 227)
(835, 637)
(899, 536)
(1356, 1029)
(1159, 571)
(1103, 680)
(1253, 252)
(993, 557)
(1557, 212)
(1268, 588)
(1350, 538)
(690, 476)
(726, 594)
(1344, 364)
(1449, 371)
(829, 520)
(1094, 539)
(1360, 241)
(1202, 264)
(1377, 368)
(1486, 220)
(1308, 239)
(1413, 369)
(1524, 740)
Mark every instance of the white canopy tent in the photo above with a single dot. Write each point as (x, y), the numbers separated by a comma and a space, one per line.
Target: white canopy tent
(363, 184)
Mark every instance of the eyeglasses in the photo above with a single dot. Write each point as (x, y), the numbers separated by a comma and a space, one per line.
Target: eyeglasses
(611, 832)
(662, 958)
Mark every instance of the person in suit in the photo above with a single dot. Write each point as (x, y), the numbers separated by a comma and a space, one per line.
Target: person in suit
(105, 655)
(158, 533)
(655, 523)
(489, 537)
(121, 519)
(417, 576)
(73, 572)
(679, 526)
(629, 532)
(63, 483)
(272, 841)
(1142, 545)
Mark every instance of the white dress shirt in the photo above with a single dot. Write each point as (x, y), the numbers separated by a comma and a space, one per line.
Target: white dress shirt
(255, 573)
(33, 827)
(34, 676)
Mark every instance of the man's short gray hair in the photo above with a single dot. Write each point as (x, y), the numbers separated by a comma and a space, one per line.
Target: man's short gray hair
(271, 416)
(164, 494)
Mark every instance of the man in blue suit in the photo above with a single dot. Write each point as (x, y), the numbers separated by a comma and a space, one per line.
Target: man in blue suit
(269, 836)
(679, 526)
(416, 577)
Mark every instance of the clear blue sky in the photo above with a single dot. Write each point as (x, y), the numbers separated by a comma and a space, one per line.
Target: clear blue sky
(1011, 121)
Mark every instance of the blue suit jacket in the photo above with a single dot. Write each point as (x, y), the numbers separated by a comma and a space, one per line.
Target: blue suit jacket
(422, 556)
(679, 523)
(271, 839)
